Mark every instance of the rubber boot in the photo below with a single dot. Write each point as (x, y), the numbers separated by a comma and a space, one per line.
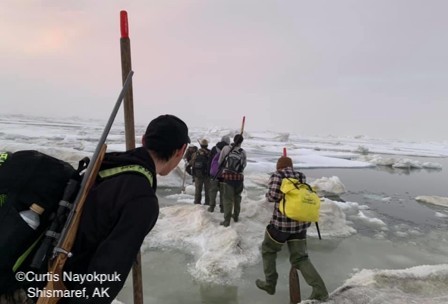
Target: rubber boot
(225, 223)
(269, 249)
(299, 259)
(265, 286)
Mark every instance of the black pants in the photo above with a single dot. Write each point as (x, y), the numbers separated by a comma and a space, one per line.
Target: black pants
(281, 237)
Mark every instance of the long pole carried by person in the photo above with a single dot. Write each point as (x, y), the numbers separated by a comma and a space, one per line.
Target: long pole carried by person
(128, 106)
(67, 238)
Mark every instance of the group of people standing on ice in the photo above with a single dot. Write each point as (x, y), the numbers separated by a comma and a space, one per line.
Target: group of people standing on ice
(220, 169)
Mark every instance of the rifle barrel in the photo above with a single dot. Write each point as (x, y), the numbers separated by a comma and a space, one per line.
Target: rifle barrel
(95, 156)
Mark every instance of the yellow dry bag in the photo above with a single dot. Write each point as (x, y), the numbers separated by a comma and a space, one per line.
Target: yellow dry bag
(300, 202)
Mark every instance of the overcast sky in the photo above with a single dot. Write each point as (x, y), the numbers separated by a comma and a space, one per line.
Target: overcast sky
(376, 68)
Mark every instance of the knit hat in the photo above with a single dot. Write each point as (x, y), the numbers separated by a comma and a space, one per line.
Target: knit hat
(166, 132)
(284, 162)
(226, 139)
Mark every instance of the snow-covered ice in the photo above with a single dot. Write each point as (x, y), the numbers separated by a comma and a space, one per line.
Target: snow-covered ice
(220, 255)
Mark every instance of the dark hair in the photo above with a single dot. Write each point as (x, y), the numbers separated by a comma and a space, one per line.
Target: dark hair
(238, 139)
(164, 153)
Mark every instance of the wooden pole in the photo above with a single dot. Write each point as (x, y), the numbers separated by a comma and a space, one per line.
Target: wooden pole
(294, 286)
(126, 66)
(242, 124)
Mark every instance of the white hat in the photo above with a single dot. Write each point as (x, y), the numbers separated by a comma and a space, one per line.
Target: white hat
(203, 142)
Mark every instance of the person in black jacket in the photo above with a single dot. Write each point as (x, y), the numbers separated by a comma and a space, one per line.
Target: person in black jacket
(121, 209)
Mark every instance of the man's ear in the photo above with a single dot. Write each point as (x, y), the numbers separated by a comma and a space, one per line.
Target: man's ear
(182, 150)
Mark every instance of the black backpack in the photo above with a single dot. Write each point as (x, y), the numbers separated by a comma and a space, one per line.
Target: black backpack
(189, 154)
(26, 178)
(201, 163)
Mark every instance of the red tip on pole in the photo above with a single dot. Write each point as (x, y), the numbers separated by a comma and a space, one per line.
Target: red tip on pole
(242, 125)
(284, 152)
(124, 24)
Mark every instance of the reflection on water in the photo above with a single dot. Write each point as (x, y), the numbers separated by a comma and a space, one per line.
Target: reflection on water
(218, 294)
(406, 171)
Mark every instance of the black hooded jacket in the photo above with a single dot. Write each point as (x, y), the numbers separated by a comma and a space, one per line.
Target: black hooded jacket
(118, 213)
(217, 148)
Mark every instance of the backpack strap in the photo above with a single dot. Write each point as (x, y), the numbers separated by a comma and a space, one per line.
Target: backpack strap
(126, 169)
(4, 157)
(300, 181)
(24, 255)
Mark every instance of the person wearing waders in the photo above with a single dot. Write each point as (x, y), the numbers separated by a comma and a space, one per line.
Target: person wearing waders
(233, 161)
(283, 230)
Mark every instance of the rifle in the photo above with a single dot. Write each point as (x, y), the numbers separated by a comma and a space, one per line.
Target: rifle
(67, 238)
